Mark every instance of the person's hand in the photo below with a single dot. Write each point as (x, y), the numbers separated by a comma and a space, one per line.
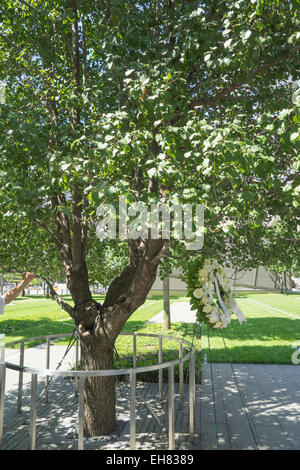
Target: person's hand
(28, 277)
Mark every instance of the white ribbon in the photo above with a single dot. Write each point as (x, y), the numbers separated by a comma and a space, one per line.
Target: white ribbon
(220, 280)
(235, 308)
(238, 313)
(221, 301)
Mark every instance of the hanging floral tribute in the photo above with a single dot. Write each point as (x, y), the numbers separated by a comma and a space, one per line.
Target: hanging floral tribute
(210, 292)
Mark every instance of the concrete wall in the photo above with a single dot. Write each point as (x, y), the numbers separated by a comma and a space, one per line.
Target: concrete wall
(258, 278)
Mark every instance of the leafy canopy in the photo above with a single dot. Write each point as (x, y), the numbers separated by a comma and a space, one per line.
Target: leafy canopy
(148, 99)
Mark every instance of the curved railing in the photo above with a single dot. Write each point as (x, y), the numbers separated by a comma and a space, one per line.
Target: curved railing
(80, 376)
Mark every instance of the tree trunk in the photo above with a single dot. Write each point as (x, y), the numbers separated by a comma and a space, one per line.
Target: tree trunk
(98, 330)
(285, 283)
(99, 393)
(281, 283)
(166, 313)
(96, 354)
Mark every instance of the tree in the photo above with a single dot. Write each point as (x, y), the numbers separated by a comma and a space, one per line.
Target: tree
(147, 99)
(166, 297)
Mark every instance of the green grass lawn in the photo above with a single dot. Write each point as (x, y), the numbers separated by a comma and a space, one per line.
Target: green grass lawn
(32, 316)
(267, 336)
(29, 317)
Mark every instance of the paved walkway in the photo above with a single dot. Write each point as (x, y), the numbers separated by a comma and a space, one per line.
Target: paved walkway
(240, 407)
(179, 311)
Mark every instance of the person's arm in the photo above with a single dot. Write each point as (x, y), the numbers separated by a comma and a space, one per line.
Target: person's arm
(13, 293)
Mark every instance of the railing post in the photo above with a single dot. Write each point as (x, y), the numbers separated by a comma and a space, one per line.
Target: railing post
(134, 350)
(194, 380)
(171, 409)
(2, 348)
(81, 412)
(2, 396)
(76, 365)
(47, 367)
(80, 386)
(20, 387)
(181, 370)
(132, 410)
(160, 372)
(32, 427)
(192, 394)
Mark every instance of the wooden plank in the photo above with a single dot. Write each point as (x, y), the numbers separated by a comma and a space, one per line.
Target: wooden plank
(208, 436)
(182, 417)
(266, 383)
(223, 435)
(206, 396)
(277, 394)
(258, 405)
(274, 438)
(288, 411)
(266, 412)
(292, 372)
(217, 371)
(239, 429)
(289, 382)
(271, 394)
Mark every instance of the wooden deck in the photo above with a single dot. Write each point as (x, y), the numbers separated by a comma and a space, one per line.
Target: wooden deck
(256, 407)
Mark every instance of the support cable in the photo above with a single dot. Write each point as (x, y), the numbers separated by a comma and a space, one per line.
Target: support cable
(69, 347)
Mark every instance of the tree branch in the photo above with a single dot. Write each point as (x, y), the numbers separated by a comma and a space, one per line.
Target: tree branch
(291, 240)
(32, 8)
(78, 249)
(162, 251)
(63, 230)
(62, 303)
(205, 101)
(49, 230)
(75, 60)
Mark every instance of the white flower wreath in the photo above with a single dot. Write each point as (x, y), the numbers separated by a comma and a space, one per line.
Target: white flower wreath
(212, 279)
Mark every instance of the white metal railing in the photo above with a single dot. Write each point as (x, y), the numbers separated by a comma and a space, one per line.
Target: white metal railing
(80, 376)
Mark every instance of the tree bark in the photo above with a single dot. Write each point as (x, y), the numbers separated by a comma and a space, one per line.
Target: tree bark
(166, 312)
(97, 353)
(98, 331)
(281, 283)
(99, 393)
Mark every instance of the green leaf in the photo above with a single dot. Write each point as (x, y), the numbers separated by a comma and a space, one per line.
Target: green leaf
(227, 43)
(245, 35)
(102, 145)
(295, 136)
(151, 172)
(65, 166)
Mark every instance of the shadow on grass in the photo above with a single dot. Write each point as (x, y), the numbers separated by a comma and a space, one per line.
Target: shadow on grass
(263, 329)
(269, 332)
(251, 355)
(148, 358)
(147, 349)
(131, 326)
(257, 341)
(32, 297)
